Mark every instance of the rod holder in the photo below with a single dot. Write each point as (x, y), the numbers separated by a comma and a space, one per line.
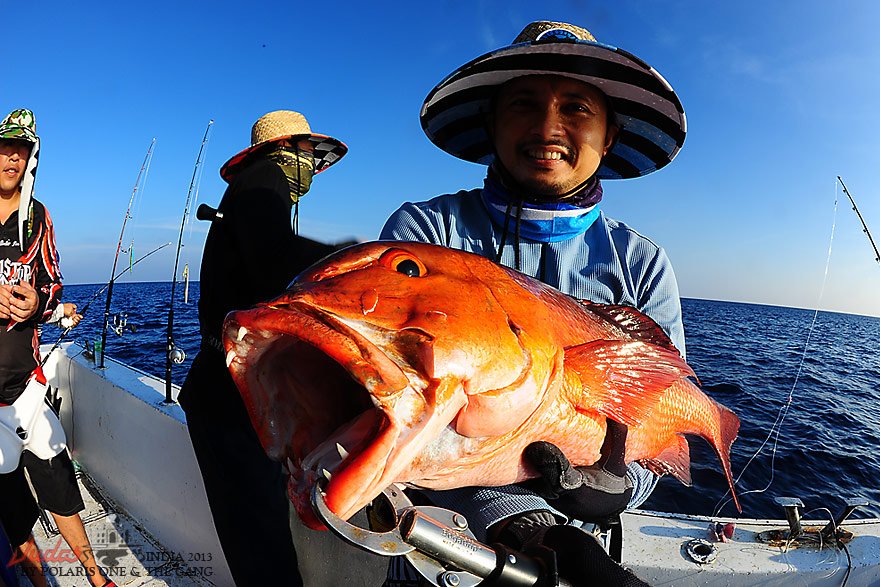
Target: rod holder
(792, 507)
(852, 503)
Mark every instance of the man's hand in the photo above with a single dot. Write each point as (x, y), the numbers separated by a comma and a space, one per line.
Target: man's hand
(70, 318)
(593, 494)
(5, 297)
(18, 302)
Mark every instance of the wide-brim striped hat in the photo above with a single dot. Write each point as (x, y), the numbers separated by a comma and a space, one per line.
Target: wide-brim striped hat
(281, 125)
(647, 110)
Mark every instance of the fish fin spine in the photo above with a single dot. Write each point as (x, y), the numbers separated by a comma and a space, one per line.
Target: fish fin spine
(632, 322)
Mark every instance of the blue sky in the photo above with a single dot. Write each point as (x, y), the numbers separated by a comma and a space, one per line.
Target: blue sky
(780, 98)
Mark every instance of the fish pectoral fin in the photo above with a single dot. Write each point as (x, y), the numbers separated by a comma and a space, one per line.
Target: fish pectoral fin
(623, 380)
(675, 460)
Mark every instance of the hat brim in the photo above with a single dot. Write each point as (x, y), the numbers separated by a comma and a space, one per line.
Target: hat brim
(18, 133)
(326, 151)
(650, 115)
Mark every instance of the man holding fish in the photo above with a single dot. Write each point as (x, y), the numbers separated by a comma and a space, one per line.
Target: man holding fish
(552, 115)
(504, 393)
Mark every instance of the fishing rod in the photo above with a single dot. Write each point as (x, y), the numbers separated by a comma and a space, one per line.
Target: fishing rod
(172, 353)
(862, 220)
(143, 172)
(95, 296)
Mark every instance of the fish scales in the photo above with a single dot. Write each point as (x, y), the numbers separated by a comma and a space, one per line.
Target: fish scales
(436, 368)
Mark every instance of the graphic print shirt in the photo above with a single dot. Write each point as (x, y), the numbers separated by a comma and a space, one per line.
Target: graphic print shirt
(37, 265)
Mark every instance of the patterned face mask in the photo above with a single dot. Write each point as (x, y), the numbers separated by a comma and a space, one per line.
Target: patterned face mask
(299, 168)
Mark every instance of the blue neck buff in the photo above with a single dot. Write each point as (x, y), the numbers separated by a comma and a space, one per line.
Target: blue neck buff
(547, 222)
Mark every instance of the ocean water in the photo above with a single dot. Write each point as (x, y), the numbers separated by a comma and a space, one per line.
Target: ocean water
(827, 445)
(145, 306)
(757, 360)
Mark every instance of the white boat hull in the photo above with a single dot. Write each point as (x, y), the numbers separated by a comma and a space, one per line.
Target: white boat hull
(138, 449)
(654, 546)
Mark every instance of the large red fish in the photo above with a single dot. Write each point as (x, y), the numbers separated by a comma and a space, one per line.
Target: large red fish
(413, 363)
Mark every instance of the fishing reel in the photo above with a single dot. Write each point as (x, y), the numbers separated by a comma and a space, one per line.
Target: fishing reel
(89, 351)
(120, 324)
(176, 354)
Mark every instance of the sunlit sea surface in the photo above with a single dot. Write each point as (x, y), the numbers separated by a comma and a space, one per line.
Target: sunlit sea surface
(828, 441)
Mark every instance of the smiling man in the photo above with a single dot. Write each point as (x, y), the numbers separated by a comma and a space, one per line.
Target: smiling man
(550, 133)
(551, 116)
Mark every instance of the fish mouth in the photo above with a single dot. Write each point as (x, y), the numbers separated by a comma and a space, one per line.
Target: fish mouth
(321, 397)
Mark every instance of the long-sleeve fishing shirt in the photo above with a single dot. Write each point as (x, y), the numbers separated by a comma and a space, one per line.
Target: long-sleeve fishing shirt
(38, 265)
(610, 263)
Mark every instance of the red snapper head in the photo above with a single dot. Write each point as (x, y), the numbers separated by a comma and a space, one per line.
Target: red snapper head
(384, 363)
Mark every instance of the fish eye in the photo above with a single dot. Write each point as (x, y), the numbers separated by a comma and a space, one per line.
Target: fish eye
(403, 262)
(408, 267)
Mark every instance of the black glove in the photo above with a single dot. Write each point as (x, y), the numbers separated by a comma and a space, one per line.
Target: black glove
(566, 551)
(593, 494)
(583, 562)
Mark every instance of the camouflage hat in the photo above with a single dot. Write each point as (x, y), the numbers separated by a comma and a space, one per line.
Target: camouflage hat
(19, 124)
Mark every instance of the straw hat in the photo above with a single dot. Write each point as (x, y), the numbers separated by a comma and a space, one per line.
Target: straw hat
(649, 113)
(280, 125)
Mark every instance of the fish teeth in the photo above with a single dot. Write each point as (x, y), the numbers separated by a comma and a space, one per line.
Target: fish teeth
(326, 474)
(230, 356)
(289, 465)
(242, 331)
(341, 450)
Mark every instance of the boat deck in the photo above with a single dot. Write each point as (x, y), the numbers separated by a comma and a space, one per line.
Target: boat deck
(124, 549)
(136, 449)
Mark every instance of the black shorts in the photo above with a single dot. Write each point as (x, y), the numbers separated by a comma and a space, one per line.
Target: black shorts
(18, 508)
(54, 483)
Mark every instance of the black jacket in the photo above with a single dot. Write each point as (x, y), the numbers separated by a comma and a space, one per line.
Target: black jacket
(251, 254)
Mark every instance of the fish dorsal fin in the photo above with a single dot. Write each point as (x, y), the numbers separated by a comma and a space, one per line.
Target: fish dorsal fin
(623, 379)
(675, 459)
(634, 323)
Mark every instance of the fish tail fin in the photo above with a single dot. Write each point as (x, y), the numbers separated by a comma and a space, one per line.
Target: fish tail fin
(728, 428)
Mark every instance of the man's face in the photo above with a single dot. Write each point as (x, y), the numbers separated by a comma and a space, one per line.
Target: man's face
(551, 132)
(13, 159)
